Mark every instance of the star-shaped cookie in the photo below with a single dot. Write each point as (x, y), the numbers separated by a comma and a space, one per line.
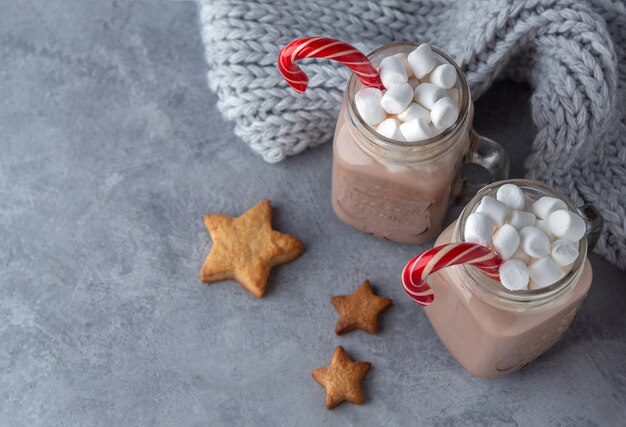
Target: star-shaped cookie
(342, 379)
(246, 248)
(359, 310)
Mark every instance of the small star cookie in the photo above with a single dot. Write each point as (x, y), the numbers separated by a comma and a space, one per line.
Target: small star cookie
(342, 379)
(359, 310)
(246, 248)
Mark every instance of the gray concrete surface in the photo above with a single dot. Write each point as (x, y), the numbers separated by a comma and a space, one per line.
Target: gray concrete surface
(111, 152)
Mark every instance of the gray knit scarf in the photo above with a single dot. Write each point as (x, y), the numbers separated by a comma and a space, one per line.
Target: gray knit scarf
(572, 53)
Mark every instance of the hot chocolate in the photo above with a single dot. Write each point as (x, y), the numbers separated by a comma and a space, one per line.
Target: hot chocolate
(493, 331)
(398, 189)
(393, 200)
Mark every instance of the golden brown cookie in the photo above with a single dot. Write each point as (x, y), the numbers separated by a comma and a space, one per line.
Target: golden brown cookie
(246, 248)
(342, 379)
(359, 310)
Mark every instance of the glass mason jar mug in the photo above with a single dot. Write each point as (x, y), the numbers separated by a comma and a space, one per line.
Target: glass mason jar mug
(490, 330)
(402, 190)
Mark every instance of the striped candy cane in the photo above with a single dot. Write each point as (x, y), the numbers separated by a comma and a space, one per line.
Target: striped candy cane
(323, 47)
(417, 270)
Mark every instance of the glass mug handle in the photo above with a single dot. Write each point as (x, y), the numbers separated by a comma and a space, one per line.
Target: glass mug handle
(488, 154)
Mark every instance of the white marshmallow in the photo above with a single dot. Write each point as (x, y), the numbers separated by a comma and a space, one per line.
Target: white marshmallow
(390, 129)
(534, 242)
(415, 130)
(520, 219)
(505, 241)
(444, 76)
(397, 98)
(567, 225)
(544, 226)
(478, 229)
(426, 94)
(405, 63)
(444, 113)
(413, 82)
(367, 102)
(546, 205)
(511, 195)
(493, 209)
(392, 71)
(422, 60)
(521, 255)
(514, 275)
(564, 252)
(414, 111)
(544, 272)
(454, 95)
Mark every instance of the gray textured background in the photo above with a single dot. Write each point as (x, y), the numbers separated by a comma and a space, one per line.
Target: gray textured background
(111, 152)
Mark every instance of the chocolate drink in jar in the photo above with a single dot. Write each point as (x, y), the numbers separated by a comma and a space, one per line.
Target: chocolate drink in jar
(499, 317)
(397, 164)
(399, 184)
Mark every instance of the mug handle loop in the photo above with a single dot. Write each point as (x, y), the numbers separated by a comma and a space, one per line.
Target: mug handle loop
(488, 154)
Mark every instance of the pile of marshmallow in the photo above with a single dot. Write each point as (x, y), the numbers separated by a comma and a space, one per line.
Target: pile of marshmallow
(420, 100)
(537, 239)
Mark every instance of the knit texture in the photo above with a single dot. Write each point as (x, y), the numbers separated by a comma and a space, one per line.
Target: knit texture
(571, 52)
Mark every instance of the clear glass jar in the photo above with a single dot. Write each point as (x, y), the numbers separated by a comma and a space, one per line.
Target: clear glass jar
(400, 190)
(490, 330)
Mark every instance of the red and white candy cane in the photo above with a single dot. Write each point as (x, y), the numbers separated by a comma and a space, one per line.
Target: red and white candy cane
(324, 47)
(417, 270)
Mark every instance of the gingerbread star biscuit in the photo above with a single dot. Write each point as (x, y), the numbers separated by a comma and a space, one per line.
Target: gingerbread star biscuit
(359, 310)
(246, 248)
(342, 379)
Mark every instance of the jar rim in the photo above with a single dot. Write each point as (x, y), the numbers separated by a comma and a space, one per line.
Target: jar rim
(489, 288)
(384, 142)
